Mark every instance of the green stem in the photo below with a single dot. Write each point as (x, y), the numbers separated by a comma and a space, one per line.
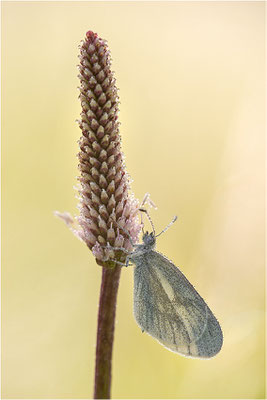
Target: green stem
(105, 331)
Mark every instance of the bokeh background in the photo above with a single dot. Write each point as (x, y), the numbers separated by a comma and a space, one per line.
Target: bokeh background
(191, 79)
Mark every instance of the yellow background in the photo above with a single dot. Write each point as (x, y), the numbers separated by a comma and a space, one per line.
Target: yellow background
(191, 79)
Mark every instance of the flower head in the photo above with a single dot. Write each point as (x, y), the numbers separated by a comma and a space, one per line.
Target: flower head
(108, 213)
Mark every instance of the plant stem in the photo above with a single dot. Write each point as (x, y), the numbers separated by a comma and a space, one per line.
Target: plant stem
(105, 331)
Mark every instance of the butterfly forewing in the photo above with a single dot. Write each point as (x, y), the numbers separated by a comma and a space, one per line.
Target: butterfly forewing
(168, 307)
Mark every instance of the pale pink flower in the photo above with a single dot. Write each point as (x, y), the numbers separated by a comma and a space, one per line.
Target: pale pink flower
(105, 203)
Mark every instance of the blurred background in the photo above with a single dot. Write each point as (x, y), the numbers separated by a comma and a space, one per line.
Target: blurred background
(191, 79)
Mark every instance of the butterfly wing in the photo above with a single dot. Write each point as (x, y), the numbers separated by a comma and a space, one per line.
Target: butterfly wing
(168, 307)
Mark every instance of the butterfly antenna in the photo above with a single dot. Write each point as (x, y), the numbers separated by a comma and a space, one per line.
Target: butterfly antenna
(149, 218)
(168, 226)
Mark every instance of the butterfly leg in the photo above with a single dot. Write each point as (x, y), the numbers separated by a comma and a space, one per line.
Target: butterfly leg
(125, 264)
(116, 248)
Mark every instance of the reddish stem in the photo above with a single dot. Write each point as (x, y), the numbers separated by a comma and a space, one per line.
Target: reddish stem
(105, 331)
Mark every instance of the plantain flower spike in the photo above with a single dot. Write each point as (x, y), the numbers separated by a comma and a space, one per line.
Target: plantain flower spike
(108, 213)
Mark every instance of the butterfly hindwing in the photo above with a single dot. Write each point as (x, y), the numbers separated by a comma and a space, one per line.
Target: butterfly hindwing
(168, 307)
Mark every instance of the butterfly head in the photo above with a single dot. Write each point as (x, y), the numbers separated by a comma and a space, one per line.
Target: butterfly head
(149, 240)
